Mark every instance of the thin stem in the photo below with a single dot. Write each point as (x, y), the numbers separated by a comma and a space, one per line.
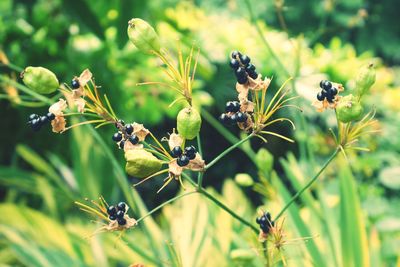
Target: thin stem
(200, 179)
(229, 149)
(298, 194)
(165, 203)
(204, 192)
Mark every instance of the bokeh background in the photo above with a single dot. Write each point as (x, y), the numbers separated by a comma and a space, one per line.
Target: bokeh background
(41, 174)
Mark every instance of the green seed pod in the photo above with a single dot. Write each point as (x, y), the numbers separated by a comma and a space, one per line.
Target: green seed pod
(143, 36)
(242, 256)
(188, 123)
(40, 80)
(365, 79)
(243, 179)
(349, 109)
(141, 163)
(264, 161)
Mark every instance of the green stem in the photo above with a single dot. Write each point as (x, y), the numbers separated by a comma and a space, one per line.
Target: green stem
(204, 192)
(298, 194)
(226, 151)
(165, 203)
(200, 179)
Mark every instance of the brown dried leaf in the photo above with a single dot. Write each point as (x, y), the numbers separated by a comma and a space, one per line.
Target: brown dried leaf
(140, 131)
(58, 107)
(58, 124)
(196, 164)
(174, 169)
(174, 140)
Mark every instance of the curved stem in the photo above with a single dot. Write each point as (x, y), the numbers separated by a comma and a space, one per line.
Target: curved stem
(165, 203)
(298, 194)
(226, 151)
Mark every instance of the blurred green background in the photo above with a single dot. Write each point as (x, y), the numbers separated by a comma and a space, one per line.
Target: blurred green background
(352, 215)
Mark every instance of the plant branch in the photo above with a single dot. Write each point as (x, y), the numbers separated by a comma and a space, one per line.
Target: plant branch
(298, 194)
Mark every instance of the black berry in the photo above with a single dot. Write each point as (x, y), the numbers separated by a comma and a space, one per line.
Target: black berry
(241, 117)
(120, 214)
(240, 73)
(50, 116)
(250, 68)
(121, 221)
(326, 85)
(33, 116)
(244, 59)
(234, 63)
(43, 120)
(183, 160)
(121, 206)
(235, 54)
(176, 151)
(117, 137)
(229, 107)
(190, 151)
(233, 118)
(36, 125)
(333, 91)
(224, 118)
(242, 80)
(122, 144)
(236, 106)
(112, 217)
(253, 74)
(111, 210)
(129, 128)
(75, 84)
(320, 96)
(133, 139)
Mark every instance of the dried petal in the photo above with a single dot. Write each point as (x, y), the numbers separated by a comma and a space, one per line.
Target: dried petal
(140, 131)
(174, 169)
(129, 146)
(196, 164)
(174, 140)
(85, 77)
(80, 104)
(247, 125)
(246, 106)
(58, 107)
(58, 124)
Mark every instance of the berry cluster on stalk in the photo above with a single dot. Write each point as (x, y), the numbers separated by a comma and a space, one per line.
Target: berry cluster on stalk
(233, 114)
(242, 67)
(117, 213)
(265, 222)
(184, 156)
(36, 121)
(328, 91)
(125, 134)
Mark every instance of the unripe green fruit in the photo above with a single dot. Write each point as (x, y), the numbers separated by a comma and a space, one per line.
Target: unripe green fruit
(143, 36)
(264, 161)
(349, 109)
(365, 79)
(188, 123)
(242, 255)
(141, 163)
(40, 80)
(243, 179)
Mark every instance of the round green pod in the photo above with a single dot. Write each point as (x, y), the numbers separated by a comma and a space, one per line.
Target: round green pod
(40, 80)
(242, 255)
(349, 109)
(243, 179)
(365, 79)
(141, 163)
(188, 123)
(143, 36)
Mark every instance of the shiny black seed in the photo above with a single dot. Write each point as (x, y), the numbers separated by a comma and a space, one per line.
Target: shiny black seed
(320, 96)
(50, 116)
(121, 206)
(333, 91)
(326, 85)
(233, 118)
(111, 210)
(321, 83)
(244, 59)
(250, 68)
(176, 151)
(258, 220)
(183, 160)
(224, 118)
(33, 116)
(133, 139)
(235, 54)
(240, 73)
(43, 120)
(234, 63)
(190, 151)
(236, 106)
(268, 215)
(330, 98)
(242, 80)
(120, 214)
(117, 137)
(241, 117)
(229, 106)
(112, 217)
(36, 125)
(121, 221)
(253, 74)
(75, 84)
(122, 144)
(129, 128)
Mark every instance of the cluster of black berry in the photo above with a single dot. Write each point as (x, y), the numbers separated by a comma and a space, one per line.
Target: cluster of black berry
(265, 222)
(36, 121)
(233, 113)
(183, 157)
(117, 213)
(124, 134)
(328, 91)
(242, 67)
